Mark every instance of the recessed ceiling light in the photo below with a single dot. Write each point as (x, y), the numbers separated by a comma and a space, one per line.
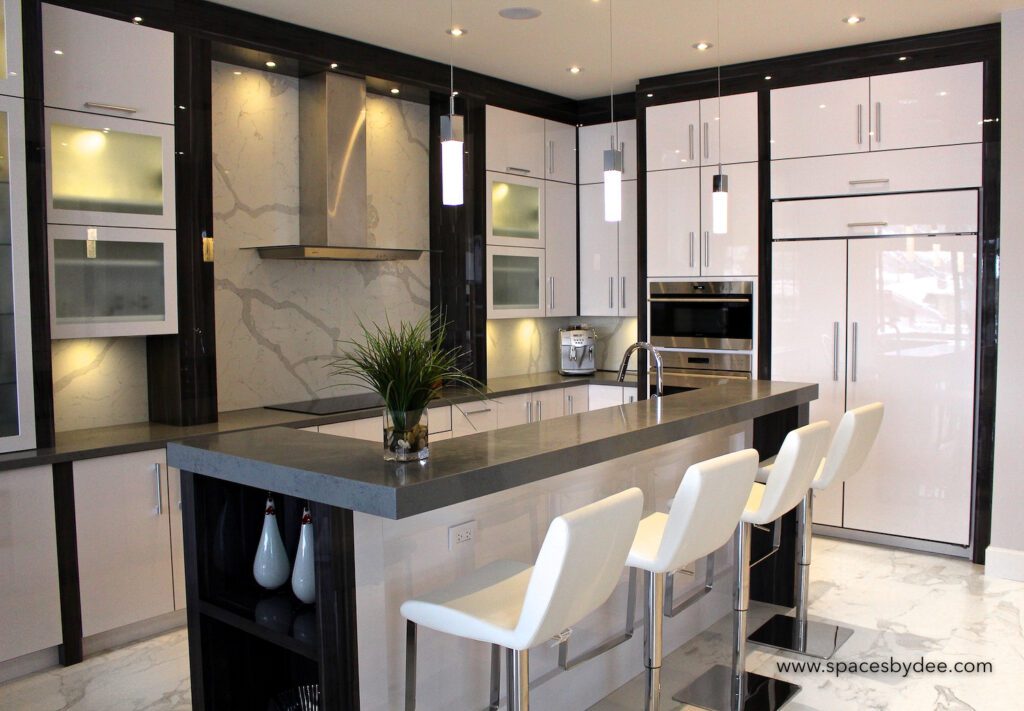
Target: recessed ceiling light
(334, 65)
(702, 46)
(821, 106)
(457, 31)
(767, 77)
(395, 90)
(574, 69)
(237, 74)
(271, 65)
(519, 13)
(650, 95)
(903, 59)
(853, 20)
(58, 51)
(136, 20)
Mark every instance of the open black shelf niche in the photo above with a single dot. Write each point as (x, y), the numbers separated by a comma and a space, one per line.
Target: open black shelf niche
(251, 647)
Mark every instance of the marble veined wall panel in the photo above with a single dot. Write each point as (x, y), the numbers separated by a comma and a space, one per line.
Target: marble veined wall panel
(530, 345)
(99, 382)
(279, 322)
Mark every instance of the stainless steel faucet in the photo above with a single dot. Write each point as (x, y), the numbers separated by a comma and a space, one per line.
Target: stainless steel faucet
(643, 345)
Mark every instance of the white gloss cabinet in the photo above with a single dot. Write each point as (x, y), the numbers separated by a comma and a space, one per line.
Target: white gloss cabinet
(674, 235)
(575, 399)
(911, 342)
(809, 336)
(10, 49)
(560, 152)
(929, 107)
(599, 255)
(673, 136)
(124, 544)
(29, 588)
(104, 66)
(729, 132)
(820, 119)
(734, 252)
(473, 417)
(595, 140)
(515, 143)
(560, 249)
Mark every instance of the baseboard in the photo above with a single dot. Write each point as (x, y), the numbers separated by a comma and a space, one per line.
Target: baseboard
(889, 541)
(133, 633)
(28, 664)
(1005, 563)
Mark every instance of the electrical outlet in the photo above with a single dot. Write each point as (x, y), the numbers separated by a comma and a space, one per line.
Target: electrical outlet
(461, 534)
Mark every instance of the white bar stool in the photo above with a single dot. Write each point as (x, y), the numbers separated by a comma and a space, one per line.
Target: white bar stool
(704, 514)
(853, 440)
(517, 606)
(724, 688)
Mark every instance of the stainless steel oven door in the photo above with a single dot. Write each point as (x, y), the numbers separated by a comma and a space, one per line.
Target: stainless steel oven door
(729, 365)
(717, 315)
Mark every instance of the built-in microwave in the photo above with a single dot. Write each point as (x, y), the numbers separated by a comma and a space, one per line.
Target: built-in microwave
(711, 315)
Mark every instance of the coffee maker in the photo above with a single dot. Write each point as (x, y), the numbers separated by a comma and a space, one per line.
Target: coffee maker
(577, 350)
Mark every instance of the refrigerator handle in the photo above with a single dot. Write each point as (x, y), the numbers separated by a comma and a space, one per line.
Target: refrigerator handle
(835, 350)
(853, 355)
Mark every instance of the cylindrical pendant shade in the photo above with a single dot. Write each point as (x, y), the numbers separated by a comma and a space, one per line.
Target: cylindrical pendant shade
(720, 204)
(613, 185)
(451, 159)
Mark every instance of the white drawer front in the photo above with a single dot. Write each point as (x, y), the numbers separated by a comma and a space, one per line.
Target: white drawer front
(942, 168)
(875, 215)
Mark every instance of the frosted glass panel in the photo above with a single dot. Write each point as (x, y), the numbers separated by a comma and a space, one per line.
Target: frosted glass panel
(515, 210)
(8, 354)
(516, 282)
(106, 171)
(124, 282)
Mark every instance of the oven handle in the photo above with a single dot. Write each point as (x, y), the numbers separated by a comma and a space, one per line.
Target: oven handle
(696, 300)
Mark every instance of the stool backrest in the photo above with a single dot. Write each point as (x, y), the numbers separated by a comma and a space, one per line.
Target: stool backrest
(707, 506)
(795, 466)
(580, 562)
(854, 438)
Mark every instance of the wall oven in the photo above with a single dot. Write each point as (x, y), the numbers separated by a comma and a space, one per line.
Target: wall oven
(710, 315)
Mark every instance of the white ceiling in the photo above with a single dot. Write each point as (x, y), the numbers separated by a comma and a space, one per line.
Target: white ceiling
(651, 37)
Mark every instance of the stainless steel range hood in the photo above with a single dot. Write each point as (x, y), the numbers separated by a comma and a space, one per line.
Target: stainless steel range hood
(332, 176)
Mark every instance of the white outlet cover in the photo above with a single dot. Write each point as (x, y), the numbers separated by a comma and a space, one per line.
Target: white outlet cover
(461, 534)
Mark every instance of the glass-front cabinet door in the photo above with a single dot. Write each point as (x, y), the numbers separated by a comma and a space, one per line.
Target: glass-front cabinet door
(515, 279)
(17, 406)
(109, 171)
(109, 281)
(515, 211)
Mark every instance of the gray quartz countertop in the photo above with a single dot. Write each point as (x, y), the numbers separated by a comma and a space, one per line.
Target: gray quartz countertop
(352, 474)
(142, 436)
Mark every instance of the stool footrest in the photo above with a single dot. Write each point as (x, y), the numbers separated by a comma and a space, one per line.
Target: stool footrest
(807, 637)
(719, 689)
(672, 609)
(563, 647)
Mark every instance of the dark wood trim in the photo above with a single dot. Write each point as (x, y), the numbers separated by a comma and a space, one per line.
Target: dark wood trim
(598, 110)
(988, 320)
(182, 367)
(190, 515)
(764, 236)
(38, 247)
(336, 607)
(71, 649)
(642, 360)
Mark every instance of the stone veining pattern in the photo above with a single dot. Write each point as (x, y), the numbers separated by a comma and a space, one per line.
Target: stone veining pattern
(530, 345)
(99, 382)
(278, 322)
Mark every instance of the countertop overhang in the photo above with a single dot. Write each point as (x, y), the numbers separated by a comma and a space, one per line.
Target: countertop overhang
(352, 474)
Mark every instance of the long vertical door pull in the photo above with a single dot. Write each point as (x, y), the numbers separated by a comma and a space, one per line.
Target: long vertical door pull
(853, 355)
(835, 350)
(159, 508)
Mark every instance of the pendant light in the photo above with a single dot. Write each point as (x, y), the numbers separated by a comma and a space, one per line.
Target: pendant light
(452, 138)
(720, 181)
(612, 156)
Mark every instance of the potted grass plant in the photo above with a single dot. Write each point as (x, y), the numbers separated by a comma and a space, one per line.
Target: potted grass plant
(407, 367)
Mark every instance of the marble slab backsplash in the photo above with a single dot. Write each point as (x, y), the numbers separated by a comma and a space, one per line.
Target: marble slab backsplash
(99, 382)
(530, 345)
(278, 322)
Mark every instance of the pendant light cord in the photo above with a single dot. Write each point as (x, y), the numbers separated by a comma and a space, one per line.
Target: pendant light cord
(451, 57)
(718, 43)
(611, 77)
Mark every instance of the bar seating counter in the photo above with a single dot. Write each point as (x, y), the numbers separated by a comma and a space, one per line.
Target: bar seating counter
(382, 535)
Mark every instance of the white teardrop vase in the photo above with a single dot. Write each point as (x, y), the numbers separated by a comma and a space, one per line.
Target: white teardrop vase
(303, 575)
(270, 568)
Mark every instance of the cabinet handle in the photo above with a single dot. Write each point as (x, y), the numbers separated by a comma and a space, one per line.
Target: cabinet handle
(159, 510)
(835, 350)
(529, 410)
(691, 250)
(551, 157)
(611, 294)
(476, 412)
(853, 355)
(707, 143)
(540, 412)
(111, 107)
(513, 169)
(570, 403)
(878, 122)
(707, 248)
(880, 223)
(869, 181)
(622, 293)
(691, 141)
(860, 124)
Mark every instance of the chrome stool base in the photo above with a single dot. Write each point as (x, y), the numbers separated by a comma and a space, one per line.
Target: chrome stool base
(719, 689)
(814, 639)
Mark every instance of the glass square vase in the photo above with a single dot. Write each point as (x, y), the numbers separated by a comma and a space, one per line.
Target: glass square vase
(405, 435)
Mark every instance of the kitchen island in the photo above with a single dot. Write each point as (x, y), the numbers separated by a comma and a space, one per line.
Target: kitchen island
(383, 531)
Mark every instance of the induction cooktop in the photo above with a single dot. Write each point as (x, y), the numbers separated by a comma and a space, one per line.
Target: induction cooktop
(332, 405)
